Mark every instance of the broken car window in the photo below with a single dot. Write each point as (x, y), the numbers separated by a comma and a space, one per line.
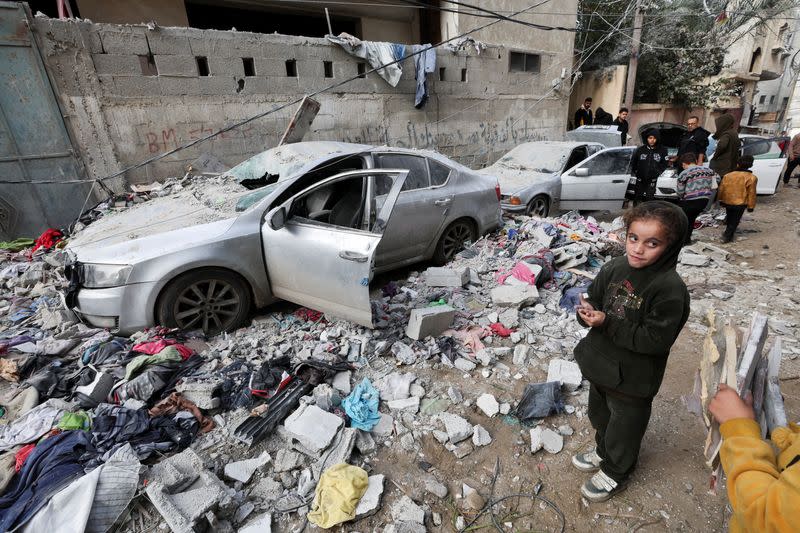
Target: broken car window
(416, 166)
(611, 162)
(340, 203)
(578, 155)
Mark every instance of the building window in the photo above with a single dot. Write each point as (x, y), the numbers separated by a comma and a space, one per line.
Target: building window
(441, 73)
(291, 68)
(772, 99)
(762, 99)
(202, 66)
(463, 74)
(249, 66)
(327, 66)
(362, 70)
(523, 62)
(148, 64)
(785, 103)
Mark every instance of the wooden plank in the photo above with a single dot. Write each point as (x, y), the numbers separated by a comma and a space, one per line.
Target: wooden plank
(773, 400)
(301, 122)
(753, 347)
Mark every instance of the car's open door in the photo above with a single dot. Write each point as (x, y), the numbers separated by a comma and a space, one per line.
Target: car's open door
(319, 246)
(598, 182)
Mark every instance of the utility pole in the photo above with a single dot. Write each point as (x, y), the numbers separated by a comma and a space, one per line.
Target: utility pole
(633, 64)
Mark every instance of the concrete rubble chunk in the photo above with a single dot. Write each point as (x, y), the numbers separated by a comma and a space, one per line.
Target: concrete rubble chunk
(505, 408)
(566, 430)
(551, 441)
(484, 357)
(437, 489)
(566, 372)
(457, 427)
(488, 404)
(244, 470)
(446, 277)
(341, 451)
(455, 395)
(405, 527)
(285, 460)
(267, 489)
(536, 439)
(260, 524)
(370, 502)
(480, 437)
(405, 510)
(429, 321)
(409, 404)
(472, 498)
(341, 382)
(417, 390)
(313, 427)
(514, 295)
(396, 386)
(404, 353)
(385, 426)
(201, 393)
(691, 259)
(326, 397)
(465, 365)
(365, 443)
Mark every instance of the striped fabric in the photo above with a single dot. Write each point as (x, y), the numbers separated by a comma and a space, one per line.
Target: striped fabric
(696, 182)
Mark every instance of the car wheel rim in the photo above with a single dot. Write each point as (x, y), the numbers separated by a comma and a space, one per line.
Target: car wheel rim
(210, 305)
(539, 207)
(455, 239)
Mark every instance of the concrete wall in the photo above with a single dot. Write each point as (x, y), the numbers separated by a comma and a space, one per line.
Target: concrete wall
(120, 116)
(164, 12)
(606, 87)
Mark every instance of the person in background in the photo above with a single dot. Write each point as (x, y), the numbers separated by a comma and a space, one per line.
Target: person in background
(782, 142)
(647, 164)
(622, 124)
(583, 116)
(695, 189)
(603, 118)
(737, 192)
(726, 153)
(763, 486)
(793, 156)
(694, 140)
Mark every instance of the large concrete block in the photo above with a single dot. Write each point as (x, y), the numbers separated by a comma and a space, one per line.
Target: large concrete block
(313, 427)
(117, 64)
(134, 87)
(269, 66)
(176, 65)
(566, 372)
(168, 41)
(429, 321)
(178, 86)
(446, 277)
(514, 295)
(123, 40)
(226, 66)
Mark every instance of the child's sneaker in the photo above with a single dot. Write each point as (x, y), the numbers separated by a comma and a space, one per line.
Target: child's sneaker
(587, 462)
(600, 488)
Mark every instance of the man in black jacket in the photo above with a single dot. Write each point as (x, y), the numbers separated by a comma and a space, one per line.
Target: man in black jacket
(621, 122)
(647, 164)
(583, 116)
(693, 141)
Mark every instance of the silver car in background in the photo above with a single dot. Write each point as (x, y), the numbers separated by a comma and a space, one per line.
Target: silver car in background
(322, 218)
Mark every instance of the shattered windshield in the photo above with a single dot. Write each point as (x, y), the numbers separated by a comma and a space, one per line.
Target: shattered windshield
(539, 158)
(249, 200)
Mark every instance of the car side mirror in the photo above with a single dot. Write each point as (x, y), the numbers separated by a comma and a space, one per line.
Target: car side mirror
(278, 219)
(582, 172)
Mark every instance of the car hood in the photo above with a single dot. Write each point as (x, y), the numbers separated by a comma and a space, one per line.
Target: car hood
(202, 211)
(515, 179)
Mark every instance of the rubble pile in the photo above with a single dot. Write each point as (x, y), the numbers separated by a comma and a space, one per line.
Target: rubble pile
(281, 422)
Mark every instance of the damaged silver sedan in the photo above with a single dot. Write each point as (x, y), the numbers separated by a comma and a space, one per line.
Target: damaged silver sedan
(322, 218)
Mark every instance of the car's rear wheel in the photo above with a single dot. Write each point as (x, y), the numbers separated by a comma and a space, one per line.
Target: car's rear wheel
(539, 206)
(453, 239)
(214, 300)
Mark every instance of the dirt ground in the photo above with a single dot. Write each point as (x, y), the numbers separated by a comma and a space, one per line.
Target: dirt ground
(670, 489)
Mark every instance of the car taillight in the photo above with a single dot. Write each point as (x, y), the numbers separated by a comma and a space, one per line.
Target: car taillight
(497, 190)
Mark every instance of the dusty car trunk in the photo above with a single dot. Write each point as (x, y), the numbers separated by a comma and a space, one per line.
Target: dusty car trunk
(670, 133)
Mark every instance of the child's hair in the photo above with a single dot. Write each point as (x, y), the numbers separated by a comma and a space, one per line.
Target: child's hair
(689, 158)
(745, 162)
(668, 216)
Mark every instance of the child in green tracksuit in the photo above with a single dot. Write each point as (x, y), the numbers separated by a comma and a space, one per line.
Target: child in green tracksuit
(636, 307)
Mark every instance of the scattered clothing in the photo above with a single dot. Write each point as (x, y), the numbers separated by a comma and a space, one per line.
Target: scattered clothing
(376, 54)
(17, 244)
(500, 330)
(47, 240)
(540, 400)
(32, 425)
(156, 347)
(361, 405)
(175, 403)
(74, 421)
(424, 64)
(337, 495)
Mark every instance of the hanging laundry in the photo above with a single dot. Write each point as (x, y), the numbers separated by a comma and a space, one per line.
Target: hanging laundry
(377, 54)
(424, 64)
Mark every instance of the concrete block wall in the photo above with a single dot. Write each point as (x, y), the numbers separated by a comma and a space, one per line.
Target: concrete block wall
(131, 93)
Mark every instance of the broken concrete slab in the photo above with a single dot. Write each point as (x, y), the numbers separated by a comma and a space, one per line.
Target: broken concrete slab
(285, 460)
(446, 277)
(546, 438)
(405, 510)
(437, 489)
(688, 258)
(566, 372)
(370, 502)
(520, 354)
(488, 404)
(340, 452)
(514, 295)
(429, 321)
(536, 439)
(385, 426)
(313, 427)
(260, 524)
(201, 393)
(409, 404)
(396, 386)
(341, 382)
(326, 397)
(480, 437)
(244, 470)
(404, 353)
(465, 365)
(457, 427)
(365, 443)
(267, 489)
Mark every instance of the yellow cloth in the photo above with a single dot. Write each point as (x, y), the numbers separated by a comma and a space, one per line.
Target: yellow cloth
(764, 498)
(337, 495)
(738, 188)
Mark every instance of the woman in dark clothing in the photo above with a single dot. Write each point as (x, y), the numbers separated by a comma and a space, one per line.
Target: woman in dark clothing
(647, 164)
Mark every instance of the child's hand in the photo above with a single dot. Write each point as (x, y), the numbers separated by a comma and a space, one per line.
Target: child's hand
(591, 317)
(727, 405)
(585, 305)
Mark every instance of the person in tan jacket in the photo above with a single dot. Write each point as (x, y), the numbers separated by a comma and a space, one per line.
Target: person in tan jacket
(793, 156)
(737, 192)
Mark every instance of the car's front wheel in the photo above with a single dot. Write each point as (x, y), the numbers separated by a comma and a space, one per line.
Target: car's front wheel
(539, 206)
(213, 299)
(453, 239)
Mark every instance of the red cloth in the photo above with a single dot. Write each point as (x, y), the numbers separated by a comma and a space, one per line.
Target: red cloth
(154, 347)
(46, 240)
(23, 454)
(304, 313)
(499, 329)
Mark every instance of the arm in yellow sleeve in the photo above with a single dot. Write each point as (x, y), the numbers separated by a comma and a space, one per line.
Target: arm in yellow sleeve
(751, 192)
(763, 498)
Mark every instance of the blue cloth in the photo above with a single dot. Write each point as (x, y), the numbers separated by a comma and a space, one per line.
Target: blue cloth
(362, 406)
(398, 50)
(51, 466)
(424, 63)
(572, 297)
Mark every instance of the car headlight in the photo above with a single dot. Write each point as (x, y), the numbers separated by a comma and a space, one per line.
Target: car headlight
(98, 276)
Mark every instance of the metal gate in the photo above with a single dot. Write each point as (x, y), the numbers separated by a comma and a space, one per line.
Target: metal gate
(41, 180)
